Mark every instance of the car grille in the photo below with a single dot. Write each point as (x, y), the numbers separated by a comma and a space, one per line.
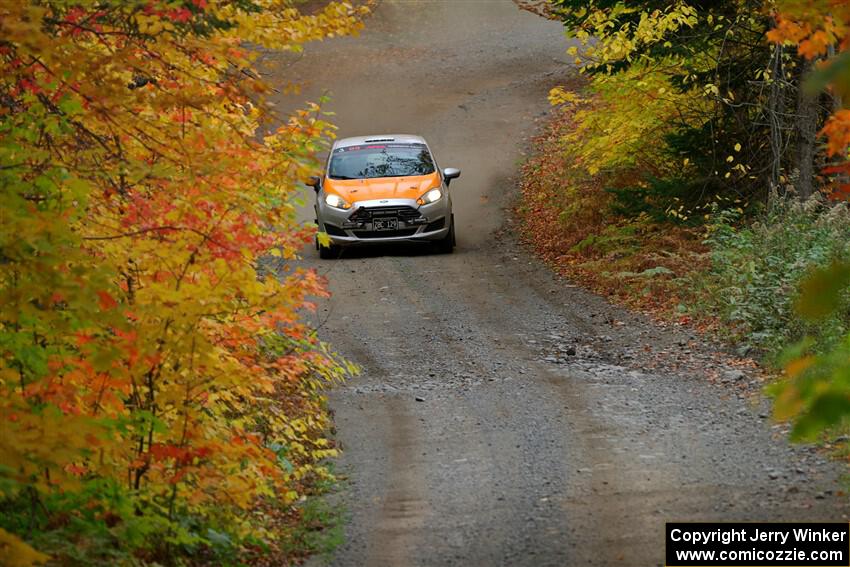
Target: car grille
(384, 233)
(365, 214)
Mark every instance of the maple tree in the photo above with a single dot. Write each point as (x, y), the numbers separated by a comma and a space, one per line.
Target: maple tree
(154, 377)
(728, 112)
(820, 30)
(815, 394)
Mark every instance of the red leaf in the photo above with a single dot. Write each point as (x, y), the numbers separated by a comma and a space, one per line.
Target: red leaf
(106, 301)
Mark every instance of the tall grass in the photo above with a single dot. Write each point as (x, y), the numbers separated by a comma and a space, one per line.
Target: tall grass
(756, 268)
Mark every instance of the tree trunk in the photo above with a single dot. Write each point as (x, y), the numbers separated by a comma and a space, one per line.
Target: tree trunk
(774, 115)
(837, 103)
(807, 128)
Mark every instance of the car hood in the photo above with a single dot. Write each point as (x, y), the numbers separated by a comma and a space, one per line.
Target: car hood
(354, 190)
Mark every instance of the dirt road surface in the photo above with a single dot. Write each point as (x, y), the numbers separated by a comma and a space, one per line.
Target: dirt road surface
(504, 417)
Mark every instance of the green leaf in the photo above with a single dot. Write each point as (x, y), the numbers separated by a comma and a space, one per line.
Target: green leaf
(827, 410)
(820, 292)
(836, 73)
(795, 351)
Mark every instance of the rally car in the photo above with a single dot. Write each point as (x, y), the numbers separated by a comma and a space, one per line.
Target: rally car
(379, 189)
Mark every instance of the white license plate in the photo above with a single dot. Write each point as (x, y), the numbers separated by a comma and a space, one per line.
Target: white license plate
(385, 223)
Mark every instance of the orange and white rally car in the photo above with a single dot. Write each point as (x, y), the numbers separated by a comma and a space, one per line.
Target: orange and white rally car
(379, 189)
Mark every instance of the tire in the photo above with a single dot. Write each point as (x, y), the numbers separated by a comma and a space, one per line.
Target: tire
(331, 252)
(447, 244)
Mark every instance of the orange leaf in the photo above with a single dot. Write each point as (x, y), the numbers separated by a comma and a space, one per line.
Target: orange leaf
(106, 301)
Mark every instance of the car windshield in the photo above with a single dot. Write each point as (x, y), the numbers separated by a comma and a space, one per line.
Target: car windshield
(380, 160)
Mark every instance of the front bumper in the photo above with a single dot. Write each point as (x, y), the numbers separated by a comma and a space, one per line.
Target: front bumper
(415, 223)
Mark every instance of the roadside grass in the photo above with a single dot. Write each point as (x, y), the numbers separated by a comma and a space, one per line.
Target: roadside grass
(320, 532)
(752, 281)
(315, 527)
(727, 271)
(322, 518)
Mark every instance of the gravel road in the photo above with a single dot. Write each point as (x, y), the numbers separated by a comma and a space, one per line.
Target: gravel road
(504, 417)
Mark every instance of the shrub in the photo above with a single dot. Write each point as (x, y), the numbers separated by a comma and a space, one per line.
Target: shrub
(154, 387)
(756, 269)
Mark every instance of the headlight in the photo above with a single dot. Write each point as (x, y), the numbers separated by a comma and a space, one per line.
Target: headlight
(431, 196)
(336, 201)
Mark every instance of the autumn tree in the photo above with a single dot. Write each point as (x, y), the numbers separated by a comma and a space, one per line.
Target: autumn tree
(154, 386)
(815, 392)
(820, 33)
(736, 116)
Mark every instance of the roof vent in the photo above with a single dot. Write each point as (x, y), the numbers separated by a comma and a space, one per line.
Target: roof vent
(370, 140)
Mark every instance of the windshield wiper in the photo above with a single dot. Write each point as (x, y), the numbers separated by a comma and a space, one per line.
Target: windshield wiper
(342, 177)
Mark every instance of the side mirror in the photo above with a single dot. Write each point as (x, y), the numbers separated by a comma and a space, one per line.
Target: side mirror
(450, 173)
(315, 182)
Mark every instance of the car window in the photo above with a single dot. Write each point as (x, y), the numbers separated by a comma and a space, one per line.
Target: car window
(380, 160)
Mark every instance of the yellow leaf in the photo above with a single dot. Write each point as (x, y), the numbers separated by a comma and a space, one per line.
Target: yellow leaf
(324, 239)
(788, 403)
(17, 553)
(559, 95)
(798, 366)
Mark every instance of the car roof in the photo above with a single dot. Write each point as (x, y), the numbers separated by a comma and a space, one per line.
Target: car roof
(397, 138)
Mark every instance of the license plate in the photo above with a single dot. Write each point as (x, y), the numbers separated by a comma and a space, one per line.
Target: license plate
(385, 223)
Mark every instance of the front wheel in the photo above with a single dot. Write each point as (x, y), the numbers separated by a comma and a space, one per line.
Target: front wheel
(331, 252)
(447, 244)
